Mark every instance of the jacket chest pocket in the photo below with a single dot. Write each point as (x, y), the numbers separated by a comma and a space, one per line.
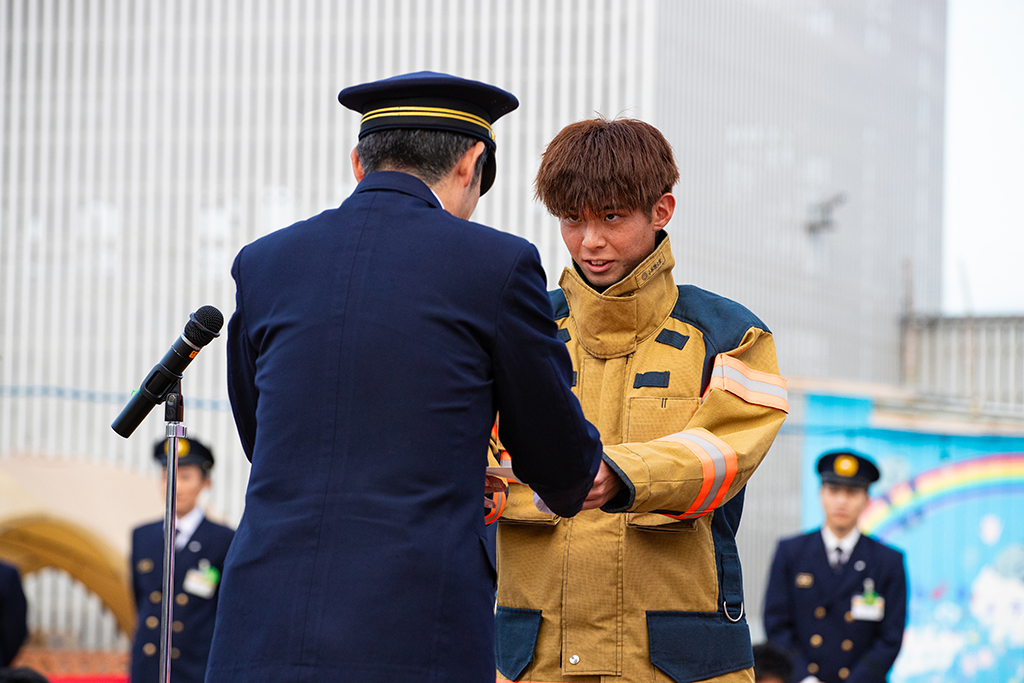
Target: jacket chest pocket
(652, 417)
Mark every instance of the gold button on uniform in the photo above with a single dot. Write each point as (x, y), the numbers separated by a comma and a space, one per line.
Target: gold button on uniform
(149, 649)
(177, 626)
(145, 566)
(847, 645)
(152, 622)
(175, 653)
(819, 612)
(154, 597)
(844, 673)
(812, 668)
(815, 640)
(849, 617)
(182, 599)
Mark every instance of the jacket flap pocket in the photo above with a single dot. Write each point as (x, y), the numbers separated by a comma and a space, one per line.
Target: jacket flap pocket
(515, 637)
(520, 509)
(693, 646)
(655, 522)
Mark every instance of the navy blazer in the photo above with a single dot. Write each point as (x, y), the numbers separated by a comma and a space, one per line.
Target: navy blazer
(807, 609)
(194, 609)
(13, 613)
(370, 349)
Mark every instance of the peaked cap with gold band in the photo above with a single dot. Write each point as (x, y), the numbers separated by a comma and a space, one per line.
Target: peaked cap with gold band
(190, 452)
(847, 468)
(434, 101)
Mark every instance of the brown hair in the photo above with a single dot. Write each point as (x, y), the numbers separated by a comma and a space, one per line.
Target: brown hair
(597, 163)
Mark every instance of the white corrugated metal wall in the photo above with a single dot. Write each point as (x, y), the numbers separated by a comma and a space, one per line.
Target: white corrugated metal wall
(145, 142)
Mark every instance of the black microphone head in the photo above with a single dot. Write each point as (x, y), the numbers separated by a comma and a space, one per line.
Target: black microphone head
(203, 326)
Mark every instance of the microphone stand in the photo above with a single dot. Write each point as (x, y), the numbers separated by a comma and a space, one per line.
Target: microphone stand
(174, 414)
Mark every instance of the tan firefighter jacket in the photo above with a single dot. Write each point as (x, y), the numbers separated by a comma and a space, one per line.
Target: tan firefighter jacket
(685, 390)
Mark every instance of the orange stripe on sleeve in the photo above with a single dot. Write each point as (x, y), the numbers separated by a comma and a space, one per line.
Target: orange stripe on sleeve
(731, 465)
(707, 467)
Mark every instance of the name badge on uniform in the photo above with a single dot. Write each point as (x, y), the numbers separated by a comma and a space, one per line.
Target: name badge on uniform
(202, 581)
(869, 605)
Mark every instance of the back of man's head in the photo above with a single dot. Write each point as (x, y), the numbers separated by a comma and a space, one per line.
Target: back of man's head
(22, 675)
(599, 163)
(772, 665)
(430, 155)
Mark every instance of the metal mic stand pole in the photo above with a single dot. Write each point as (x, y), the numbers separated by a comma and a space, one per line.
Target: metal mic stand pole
(174, 413)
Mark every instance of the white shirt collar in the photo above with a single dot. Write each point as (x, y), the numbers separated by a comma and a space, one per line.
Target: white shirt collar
(435, 196)
(845, 544)
(187, 525)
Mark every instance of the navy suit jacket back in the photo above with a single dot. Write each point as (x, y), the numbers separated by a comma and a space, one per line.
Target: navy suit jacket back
(369, 351)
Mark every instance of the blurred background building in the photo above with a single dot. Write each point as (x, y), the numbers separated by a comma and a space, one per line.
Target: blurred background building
(143, 143)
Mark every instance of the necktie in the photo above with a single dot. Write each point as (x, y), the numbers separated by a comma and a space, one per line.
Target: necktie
(837, 559)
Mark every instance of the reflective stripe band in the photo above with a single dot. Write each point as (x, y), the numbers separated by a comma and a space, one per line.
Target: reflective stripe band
(437, 112)
(753, 386)
(718, 467)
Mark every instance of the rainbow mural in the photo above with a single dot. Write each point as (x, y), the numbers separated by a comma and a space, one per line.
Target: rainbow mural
(945, 485)
(954, 504)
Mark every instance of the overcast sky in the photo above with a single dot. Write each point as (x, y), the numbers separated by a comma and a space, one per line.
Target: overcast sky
(983, 267)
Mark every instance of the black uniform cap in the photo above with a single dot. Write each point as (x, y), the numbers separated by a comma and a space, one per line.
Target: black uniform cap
(847, 468)
(190, 452)
(434, 101)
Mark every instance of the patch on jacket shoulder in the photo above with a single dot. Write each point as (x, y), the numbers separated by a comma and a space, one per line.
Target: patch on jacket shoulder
(672, 338)
(804, 580)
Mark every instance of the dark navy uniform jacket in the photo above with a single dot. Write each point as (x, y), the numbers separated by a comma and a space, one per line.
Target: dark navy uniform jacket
(195, 600)
(13, 612)
(370, 349)
(808, 609)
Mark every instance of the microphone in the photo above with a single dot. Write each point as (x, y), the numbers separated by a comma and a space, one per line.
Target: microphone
(200, 330)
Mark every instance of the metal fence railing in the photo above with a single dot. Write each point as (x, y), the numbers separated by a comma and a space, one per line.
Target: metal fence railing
(975, 364)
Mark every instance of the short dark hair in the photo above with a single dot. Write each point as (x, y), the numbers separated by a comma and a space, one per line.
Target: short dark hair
(770, 661)
(596, 163)
(429, 155)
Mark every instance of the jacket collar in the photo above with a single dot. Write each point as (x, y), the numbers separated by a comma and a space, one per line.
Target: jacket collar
(398, 182)
(611, 324)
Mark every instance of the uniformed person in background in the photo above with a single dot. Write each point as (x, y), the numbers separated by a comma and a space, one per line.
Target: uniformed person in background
(837, 598)
(200, 547)
(13, 614)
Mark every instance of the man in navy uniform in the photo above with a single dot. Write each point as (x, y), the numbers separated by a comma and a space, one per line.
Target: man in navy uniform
(837, 599)
(369, 351)
(200, 547)
(13, 614)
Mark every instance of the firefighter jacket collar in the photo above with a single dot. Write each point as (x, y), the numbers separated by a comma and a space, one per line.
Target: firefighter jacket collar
(612, 323)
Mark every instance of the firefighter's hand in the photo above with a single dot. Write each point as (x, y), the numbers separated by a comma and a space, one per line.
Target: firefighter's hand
(493, 484)
(606, 485)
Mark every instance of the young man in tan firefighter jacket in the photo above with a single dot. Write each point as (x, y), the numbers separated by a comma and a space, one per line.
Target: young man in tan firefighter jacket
(644, 584)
